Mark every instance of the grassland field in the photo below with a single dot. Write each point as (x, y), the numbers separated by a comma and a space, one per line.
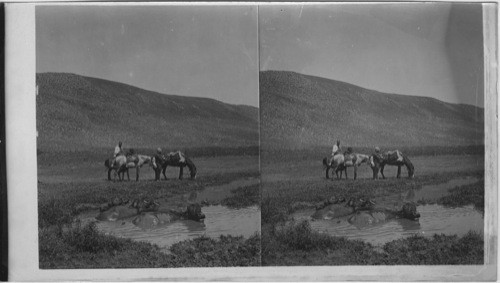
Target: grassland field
(68, 181)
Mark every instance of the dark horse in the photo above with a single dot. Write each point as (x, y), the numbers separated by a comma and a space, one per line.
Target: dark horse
(177, 159)
(394, 158)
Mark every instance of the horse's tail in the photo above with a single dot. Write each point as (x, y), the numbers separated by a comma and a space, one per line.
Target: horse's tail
(107, 163)
(409, 166)
(325, 162)
(191, 166)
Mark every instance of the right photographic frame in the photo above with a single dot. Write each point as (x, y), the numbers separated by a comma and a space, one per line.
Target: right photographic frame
(376, 134)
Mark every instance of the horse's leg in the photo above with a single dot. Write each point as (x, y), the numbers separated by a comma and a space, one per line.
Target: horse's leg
(327, 169)
(164, 175)
(157, 173)
(109, 174)
(375, 172)
(137, 173)
(181, 172)
(399, 171)
(355, 171)
(337, 173)
(382, 171)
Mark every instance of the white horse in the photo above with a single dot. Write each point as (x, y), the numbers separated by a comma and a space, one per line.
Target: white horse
(121, 163)
(333, 163)
(352, 160)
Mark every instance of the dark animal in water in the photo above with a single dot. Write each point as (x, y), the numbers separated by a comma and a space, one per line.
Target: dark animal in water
(176, 159)
(121, 209)
(362, 212)
(338, 207)
(394, 158)
(150, 220)
(365, 218)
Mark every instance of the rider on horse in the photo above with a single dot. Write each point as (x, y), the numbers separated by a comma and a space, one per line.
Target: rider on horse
(118, 149)
(336, 148)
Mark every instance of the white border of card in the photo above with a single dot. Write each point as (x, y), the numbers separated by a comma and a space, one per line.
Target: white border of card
(22, 187)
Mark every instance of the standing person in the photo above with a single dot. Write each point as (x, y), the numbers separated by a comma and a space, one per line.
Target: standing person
(158, 160)
(336, 148)
(377, 154)
(118, 149)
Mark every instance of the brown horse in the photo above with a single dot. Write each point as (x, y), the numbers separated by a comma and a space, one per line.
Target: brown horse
(352, 160)
(177, 159)
(393, 158)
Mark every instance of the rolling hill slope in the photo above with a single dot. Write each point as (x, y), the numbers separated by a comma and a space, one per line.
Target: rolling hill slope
(299, 111)
(79, 113)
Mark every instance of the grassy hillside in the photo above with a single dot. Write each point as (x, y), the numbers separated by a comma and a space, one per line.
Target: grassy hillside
(80, 113)
(299, 111)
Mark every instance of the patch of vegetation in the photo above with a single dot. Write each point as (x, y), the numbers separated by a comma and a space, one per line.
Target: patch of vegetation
(86, 247)
(440, 249)
(295, 243)
(225, 251)
(243, 197)
(464, 195)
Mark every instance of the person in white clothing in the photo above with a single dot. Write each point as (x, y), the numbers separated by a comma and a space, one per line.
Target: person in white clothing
(118, 149)
(336, 148)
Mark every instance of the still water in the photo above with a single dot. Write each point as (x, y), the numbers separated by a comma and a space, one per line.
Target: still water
(219, 220)
(434, 218)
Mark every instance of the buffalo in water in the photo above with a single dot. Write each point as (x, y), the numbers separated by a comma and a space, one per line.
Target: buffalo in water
(362, 212)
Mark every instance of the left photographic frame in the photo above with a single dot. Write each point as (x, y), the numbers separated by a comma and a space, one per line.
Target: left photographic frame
(141, 122)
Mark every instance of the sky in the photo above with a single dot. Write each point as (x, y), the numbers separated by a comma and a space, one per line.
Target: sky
(422, 49)
(203, 51)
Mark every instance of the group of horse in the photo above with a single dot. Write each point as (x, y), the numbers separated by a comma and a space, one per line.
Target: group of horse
(377, 161)
(122, 163)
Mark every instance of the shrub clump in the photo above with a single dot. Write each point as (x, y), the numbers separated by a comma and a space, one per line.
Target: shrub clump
(225, 251)
(464, 195)
(243, 197)
(440, 249)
